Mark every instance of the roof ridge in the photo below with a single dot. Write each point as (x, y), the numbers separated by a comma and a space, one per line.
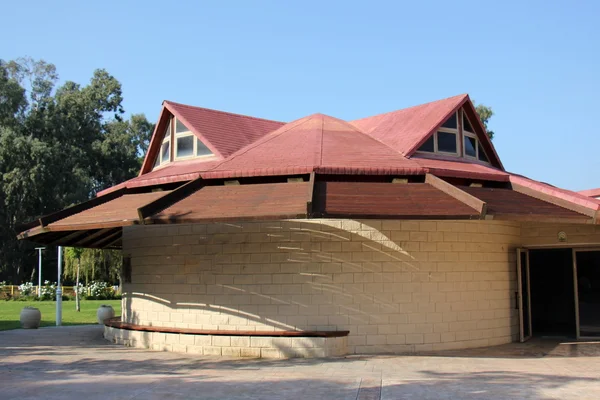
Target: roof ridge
(267, 138)
(369, 136)
(411, 107)
(223, 112)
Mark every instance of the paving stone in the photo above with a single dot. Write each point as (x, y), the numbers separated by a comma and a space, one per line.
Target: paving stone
(76, 362)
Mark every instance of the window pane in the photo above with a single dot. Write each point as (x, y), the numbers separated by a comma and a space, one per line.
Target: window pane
(470, 146)
(180, 127)
(185, 146)
(167, 134)
(482, 155)
(428, 145)
(201, 149)
(165, 152)
(451, 122)
(446, 142)
(157, 161)
(466, 125)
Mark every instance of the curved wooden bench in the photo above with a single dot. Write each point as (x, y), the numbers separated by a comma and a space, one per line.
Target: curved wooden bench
(116, 323)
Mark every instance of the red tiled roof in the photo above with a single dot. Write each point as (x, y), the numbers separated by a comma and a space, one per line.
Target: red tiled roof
(315, 143)
(403, 130)
(590, 192)
(461, 169)
(239, 202)
(180, 171)
(225, 131)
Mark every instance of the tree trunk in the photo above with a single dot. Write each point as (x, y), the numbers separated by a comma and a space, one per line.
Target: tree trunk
(77, 287)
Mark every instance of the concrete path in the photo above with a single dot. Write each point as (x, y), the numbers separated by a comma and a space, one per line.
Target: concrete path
(76, 363)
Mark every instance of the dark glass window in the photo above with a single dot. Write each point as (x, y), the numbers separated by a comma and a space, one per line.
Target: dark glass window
(167, 131)
(446, 142)
(201, 149)
(427, 146)
(482, 155)
(470, 146)
(165, 152)
(185, 146)
(466, 124)
(180, 127)
(451, 122)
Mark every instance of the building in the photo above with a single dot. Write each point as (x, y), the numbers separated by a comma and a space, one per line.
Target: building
(396, 233)
(594, 193)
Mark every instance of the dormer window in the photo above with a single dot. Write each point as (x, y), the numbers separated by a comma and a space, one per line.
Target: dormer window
(185, 144)
(447, 138)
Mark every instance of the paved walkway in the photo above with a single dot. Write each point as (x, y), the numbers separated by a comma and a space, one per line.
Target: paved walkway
(76, 363)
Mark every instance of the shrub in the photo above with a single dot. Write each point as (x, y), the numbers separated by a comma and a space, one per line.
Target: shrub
(48, 291)
(26, 289)
(100, 290)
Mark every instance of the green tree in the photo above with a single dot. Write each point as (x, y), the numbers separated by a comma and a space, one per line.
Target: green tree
(58, 146)
(485, 113)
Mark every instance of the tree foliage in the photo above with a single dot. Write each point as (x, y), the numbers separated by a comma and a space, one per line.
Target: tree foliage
(95, 264)
(59, 145)
(485, 113)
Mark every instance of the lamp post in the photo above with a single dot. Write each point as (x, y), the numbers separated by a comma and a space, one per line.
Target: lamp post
(59, 290)
(39, 249)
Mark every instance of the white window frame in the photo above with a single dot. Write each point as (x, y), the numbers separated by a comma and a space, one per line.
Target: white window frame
(178, 135)
(166, 139)
(472, 136)
(460, 134)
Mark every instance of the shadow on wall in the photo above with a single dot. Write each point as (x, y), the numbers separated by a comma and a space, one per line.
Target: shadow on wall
(386, 280)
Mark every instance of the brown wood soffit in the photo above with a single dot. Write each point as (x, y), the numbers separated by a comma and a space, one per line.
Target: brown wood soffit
(205, 201)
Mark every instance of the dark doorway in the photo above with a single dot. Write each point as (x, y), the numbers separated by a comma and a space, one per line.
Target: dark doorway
(588, 285)
(552, 292)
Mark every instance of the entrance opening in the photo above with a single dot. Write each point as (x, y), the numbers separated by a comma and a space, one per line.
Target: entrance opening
(588, 288)
(552, 293)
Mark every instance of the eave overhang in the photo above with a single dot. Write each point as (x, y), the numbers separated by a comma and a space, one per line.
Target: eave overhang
(98, 223)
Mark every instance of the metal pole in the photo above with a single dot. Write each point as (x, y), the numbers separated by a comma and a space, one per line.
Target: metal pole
(39, 249)
(59, 290)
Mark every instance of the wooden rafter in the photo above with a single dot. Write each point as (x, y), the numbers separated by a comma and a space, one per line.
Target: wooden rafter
(98, 236)
(165, 201)
(115, 237)
(311, 192)
(594, 214)
(462, 196)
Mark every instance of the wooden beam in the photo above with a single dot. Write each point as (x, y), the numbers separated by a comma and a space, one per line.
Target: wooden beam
(38, 230)
(105, 239)
(77, 208)
(165, 201)
(69, 237)
(460, 195)
(99, 235)
(594, 214)
(311, 192)
(110, 240)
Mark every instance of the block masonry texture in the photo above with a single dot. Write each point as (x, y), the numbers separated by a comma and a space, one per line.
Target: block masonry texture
(397, 286)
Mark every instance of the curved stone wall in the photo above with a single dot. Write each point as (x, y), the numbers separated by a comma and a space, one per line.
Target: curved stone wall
(397, 286)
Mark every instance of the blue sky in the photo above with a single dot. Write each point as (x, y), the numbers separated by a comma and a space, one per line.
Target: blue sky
(536, 63)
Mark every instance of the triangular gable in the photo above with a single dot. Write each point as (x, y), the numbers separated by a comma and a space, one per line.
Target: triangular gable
(168, 112)
(407, 129)
(221, 132)
(477, 128)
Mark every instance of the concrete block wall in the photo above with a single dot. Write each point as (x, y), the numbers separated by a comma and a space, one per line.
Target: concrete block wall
(397, 286)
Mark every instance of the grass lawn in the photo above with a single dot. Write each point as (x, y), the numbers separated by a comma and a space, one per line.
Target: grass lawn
(10, 312)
